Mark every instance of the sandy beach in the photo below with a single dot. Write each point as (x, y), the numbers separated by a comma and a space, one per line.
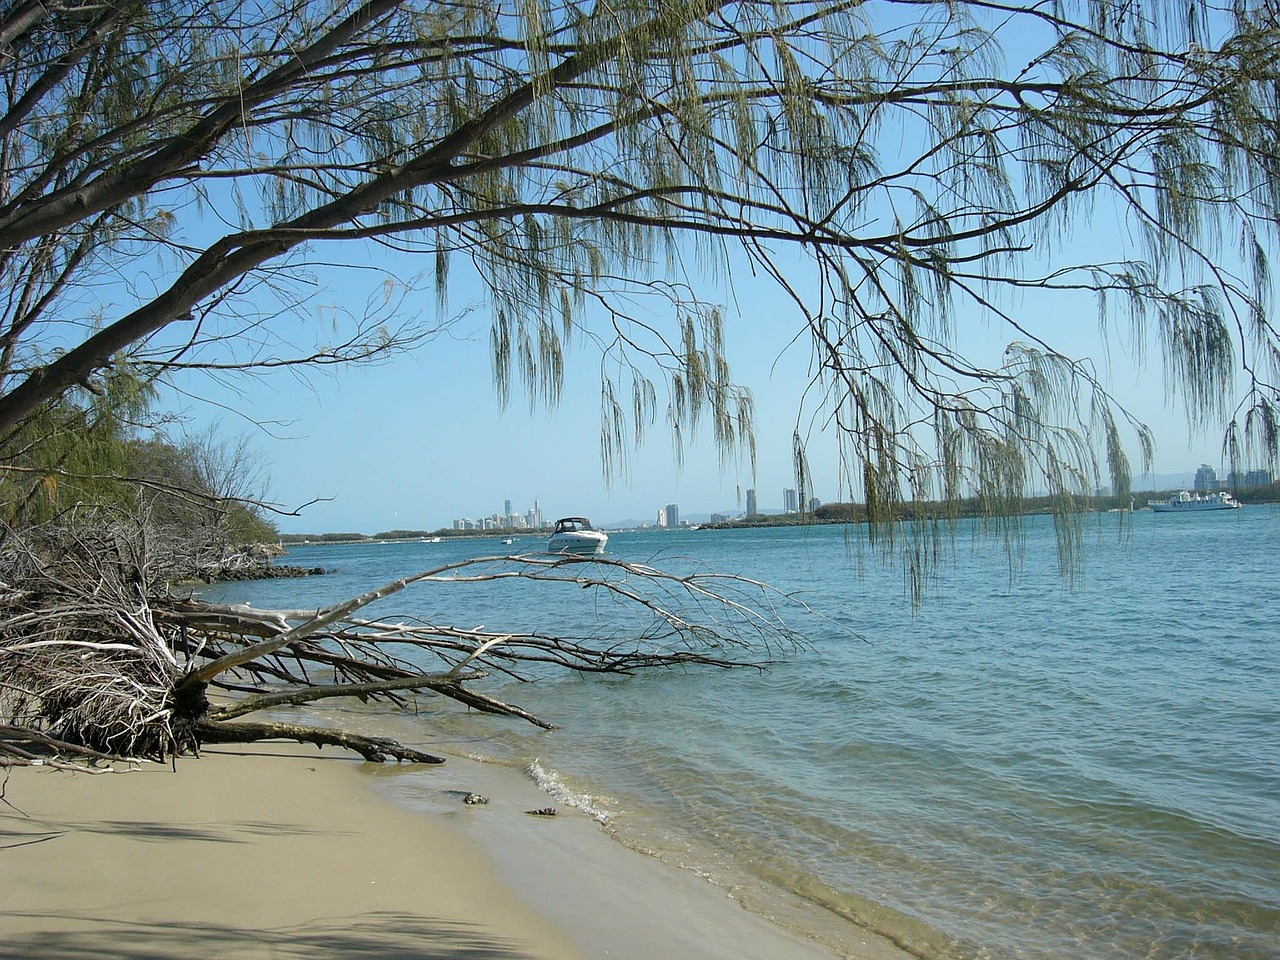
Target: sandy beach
(287, 852)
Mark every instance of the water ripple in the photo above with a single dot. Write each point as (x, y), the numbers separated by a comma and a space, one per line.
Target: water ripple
(1016, 770)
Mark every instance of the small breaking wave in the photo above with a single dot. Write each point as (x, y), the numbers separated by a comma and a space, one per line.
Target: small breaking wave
(550, 782)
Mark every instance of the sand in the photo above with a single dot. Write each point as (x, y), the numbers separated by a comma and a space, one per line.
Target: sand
(285, 852)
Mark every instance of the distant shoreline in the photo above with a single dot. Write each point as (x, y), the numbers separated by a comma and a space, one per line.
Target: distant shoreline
(341, 539)
(826, 515)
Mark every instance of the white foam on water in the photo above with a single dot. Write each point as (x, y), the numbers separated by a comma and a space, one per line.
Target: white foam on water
(551, 783)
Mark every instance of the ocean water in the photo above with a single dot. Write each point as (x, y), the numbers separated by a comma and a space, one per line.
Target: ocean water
(1021, 767)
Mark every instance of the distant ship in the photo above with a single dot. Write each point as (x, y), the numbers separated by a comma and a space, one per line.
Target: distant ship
(576, 535)
(1185, 502)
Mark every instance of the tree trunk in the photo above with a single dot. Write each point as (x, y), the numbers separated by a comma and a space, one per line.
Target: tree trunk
(375, 749)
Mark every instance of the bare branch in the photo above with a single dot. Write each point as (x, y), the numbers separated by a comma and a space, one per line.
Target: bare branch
(98, 651)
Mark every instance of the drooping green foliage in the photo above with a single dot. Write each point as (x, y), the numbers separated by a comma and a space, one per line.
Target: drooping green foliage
(78, 449)
(905, 172)
(85, 450)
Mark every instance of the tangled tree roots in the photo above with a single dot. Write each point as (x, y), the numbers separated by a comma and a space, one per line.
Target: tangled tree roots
(82, 661)
(99, 658)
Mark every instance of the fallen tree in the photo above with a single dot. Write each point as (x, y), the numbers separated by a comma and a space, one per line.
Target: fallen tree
(102, 658)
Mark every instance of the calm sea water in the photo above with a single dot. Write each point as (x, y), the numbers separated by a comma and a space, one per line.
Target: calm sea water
(1019, 768)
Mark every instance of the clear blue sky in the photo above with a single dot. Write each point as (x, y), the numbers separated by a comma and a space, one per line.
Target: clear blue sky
(414, 443)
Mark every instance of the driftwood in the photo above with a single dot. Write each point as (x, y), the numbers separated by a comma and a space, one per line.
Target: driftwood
(101, 658)
(376, 749)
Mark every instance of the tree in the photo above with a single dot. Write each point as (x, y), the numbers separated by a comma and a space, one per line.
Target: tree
(898, 168)
(174, 177)
(203, 495)
(100, 658)
(76, 448)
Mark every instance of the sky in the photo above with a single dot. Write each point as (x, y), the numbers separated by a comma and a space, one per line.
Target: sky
(422, 440)
(417, 442)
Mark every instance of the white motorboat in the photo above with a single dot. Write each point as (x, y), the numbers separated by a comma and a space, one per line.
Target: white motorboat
(576, 535)
(1185, 502)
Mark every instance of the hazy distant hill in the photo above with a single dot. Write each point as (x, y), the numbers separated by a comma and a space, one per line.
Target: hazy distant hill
(624, 524)
(1165, 481)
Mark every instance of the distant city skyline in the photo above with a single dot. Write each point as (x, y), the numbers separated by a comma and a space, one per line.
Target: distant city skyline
(533, 451)
(532, 519)
(431, 468)
(443, 488)
(1206, 479)
(671, 514)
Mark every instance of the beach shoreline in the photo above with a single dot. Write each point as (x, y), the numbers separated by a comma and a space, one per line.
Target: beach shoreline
(280, 851)
(276, 853)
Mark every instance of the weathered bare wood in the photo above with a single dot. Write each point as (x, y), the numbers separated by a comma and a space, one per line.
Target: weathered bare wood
(305, 629)
(23, 746)
(264, 701)
(375, 749)
(96, 652)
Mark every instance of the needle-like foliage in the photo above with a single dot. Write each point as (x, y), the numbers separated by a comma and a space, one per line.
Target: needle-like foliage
(174, 176)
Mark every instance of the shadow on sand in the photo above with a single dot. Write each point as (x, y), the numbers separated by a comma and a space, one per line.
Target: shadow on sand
(380, 935)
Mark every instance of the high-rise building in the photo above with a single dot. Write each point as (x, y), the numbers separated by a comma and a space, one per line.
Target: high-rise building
(790, 503)
(1244, 479)
(672, 513)
(753, 507)
(814, 504)
(1206, 478)
(506, 510)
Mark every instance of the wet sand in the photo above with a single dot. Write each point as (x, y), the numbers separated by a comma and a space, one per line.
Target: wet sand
(287, 852)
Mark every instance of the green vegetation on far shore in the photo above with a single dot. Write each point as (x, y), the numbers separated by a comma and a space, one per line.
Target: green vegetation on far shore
(443, 533)
(970, 508)
(973, 508)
